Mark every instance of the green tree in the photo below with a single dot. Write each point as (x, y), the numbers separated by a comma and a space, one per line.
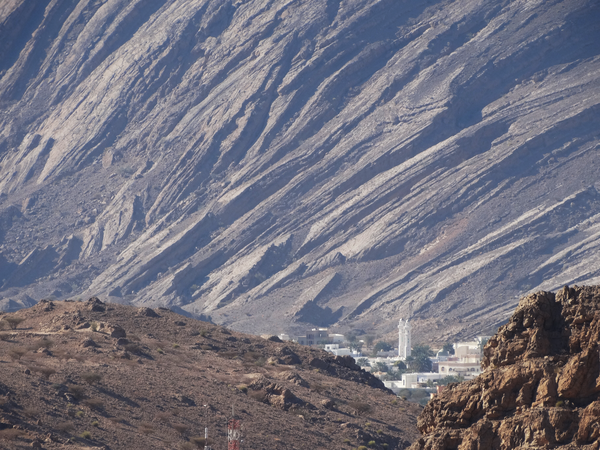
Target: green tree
(381, 346)
(450, 379)
(448, 348)
(363, 362)
(419, 360)
(482, 344)
(400, 365)
(380, 367)
(369, 340)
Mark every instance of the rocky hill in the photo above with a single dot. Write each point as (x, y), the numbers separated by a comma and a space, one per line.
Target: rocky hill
(541, 387)
(274, 163)
(85, 375)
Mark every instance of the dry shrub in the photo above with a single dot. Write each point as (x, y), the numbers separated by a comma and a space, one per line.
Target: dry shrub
(146, 428)
(201, 442)
(31, 411)
(16, 353)
(42, 343)
(163, 417)
(5, 337)
(252, 356)
(10, 434)
(133, 348)
(44, 371)
(94, 403)
(76, 391)
(318, 387)
(91, 377)
(228, 355)
(65, 427)
(360, 407)
(180, 428)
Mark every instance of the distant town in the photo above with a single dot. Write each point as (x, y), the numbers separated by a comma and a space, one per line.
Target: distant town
(415, 372)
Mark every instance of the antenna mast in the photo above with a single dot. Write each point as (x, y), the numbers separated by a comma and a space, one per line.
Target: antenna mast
(234, 432)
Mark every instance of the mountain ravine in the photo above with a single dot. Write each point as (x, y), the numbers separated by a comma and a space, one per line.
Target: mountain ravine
(273, 164)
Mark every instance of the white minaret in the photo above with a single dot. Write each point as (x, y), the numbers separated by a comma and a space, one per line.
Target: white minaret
(404, 341)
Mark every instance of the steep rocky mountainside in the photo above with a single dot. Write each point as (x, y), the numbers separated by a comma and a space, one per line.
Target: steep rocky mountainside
(141, 378)
(541, 388)
(281, 162)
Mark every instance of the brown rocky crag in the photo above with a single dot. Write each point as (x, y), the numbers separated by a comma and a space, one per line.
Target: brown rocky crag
(540, 387)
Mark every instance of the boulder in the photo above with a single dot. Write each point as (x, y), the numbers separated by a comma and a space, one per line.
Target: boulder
(116, 331)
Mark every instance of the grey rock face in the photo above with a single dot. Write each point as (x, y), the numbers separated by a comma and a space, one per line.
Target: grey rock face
(280, 163)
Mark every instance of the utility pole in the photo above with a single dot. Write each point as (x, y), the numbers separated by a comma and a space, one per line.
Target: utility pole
(206, 446)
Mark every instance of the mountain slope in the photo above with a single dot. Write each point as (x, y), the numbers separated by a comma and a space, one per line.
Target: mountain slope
(269, 162)
(138, 378)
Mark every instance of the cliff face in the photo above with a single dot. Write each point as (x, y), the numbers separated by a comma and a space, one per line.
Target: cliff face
(268, 162)
(541, 385)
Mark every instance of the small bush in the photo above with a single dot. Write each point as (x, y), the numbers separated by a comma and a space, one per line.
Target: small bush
(175, 345)
(91, 377)
(76, 391)
(384, 445)
(16, 353)
(180, 428)
(146, 428)
(94, 326)
(360, 407)
(10, 434)
(380, 431)
(134, 348)
(372, 444)
(243, 388)
(43, 343)
(5, 337)
(362, 447)
(560, 404)
(163, 417)
(44, 371)
(95, 423)
(79, 414)
(160, 350)
(347, 441)
(94, 403)
(86, 435)
(31, 411)
(200, 442)
(203, 333)
(367, 425)
(65, 427)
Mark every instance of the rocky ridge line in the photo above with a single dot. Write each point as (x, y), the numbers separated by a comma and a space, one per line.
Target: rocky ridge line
(541, 386)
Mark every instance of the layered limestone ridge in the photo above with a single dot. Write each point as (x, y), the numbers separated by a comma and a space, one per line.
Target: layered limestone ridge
(541, 385)
(227, 156)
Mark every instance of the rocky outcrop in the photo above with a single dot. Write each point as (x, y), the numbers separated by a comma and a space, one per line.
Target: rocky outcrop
(541, 384)
(227, 156)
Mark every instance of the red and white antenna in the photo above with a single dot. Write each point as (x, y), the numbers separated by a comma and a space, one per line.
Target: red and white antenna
(234, 432)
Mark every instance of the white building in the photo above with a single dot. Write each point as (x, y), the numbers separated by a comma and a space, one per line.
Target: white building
(404, 339)
(412, 380)
(337, 351)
